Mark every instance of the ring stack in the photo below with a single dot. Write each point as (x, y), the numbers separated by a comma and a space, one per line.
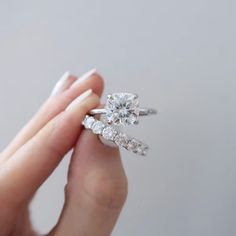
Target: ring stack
(121, 109)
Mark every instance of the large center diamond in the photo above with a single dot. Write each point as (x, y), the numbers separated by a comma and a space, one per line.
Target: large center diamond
(122, 109)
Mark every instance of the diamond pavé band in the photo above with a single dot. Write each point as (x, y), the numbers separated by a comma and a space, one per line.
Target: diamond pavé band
(109, 133)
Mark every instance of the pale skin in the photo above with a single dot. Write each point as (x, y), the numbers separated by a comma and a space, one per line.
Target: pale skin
(96, 189)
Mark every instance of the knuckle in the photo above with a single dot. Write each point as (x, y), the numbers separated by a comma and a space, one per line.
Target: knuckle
(62, 135)
(57, 144)
(107, 192)
(84, 108)
(68, 122)
(89, 104)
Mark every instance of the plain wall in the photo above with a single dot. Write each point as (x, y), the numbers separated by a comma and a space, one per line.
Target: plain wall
(179, 56)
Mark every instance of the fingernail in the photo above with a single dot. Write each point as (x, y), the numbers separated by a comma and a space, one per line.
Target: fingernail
(84, 77)
(60, 84)
(79, 99)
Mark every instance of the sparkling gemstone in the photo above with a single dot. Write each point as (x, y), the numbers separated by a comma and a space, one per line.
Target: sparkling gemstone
(109, 133)
(132, 145)
(122, 109)
(97, 127)
(145, 150)
(88, 122)
(141, 149)
(122, 140)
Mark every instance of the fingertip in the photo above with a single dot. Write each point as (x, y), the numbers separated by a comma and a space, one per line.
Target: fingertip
(65, 82)
(98, 83)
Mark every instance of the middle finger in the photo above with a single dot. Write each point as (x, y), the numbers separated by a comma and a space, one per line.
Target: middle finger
(52, 107)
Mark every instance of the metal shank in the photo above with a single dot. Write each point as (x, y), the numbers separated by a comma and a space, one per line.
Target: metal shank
(142, 111)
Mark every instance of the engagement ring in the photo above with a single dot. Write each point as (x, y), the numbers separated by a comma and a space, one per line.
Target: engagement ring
(122, 109)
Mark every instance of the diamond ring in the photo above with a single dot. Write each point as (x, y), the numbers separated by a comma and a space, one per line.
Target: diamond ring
(115, 136)
(122, 109)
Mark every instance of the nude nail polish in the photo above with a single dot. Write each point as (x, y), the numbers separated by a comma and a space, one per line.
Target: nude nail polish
(60, 84)
(79, 99)
(84, 77)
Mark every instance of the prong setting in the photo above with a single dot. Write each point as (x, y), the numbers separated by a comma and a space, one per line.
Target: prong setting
(122, 109)
(109, 96)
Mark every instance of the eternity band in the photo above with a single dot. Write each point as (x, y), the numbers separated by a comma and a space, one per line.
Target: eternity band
(117, 137)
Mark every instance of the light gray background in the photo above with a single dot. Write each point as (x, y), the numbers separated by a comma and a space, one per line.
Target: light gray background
(180, 57)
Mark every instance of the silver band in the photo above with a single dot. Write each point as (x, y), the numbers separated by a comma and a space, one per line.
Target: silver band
(142, 111)
(115, 136)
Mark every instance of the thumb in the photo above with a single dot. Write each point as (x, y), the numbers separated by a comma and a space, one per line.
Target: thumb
(96, 189)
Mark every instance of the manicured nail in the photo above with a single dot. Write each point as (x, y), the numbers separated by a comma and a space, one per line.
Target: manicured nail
(79, 99)
(84, 77)
(60, 84)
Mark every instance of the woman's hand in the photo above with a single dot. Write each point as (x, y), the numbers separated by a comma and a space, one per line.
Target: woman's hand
(97, 185)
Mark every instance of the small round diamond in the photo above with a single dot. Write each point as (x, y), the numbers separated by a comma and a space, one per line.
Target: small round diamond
(88, 122)
(137, 147)
(132, 145)
(142, 149)
(97, 127)
(109, 133)
(122, 140)
(145, 150)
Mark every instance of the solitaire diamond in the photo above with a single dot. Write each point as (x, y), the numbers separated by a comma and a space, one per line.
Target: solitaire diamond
(122, 109)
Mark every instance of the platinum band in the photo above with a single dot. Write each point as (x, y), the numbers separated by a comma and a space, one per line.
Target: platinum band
(117, 137)
(142, 111)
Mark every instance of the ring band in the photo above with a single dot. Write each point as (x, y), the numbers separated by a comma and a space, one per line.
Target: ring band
(117, 137)
(142, 111)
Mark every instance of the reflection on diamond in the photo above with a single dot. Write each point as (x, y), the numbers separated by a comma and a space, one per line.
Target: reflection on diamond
(97, 127)
(132, 145)
(109, 133)
(122, 140)
(142, 149)
(122, 109)
(137, 147)
(145, 149)
(88, 122)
